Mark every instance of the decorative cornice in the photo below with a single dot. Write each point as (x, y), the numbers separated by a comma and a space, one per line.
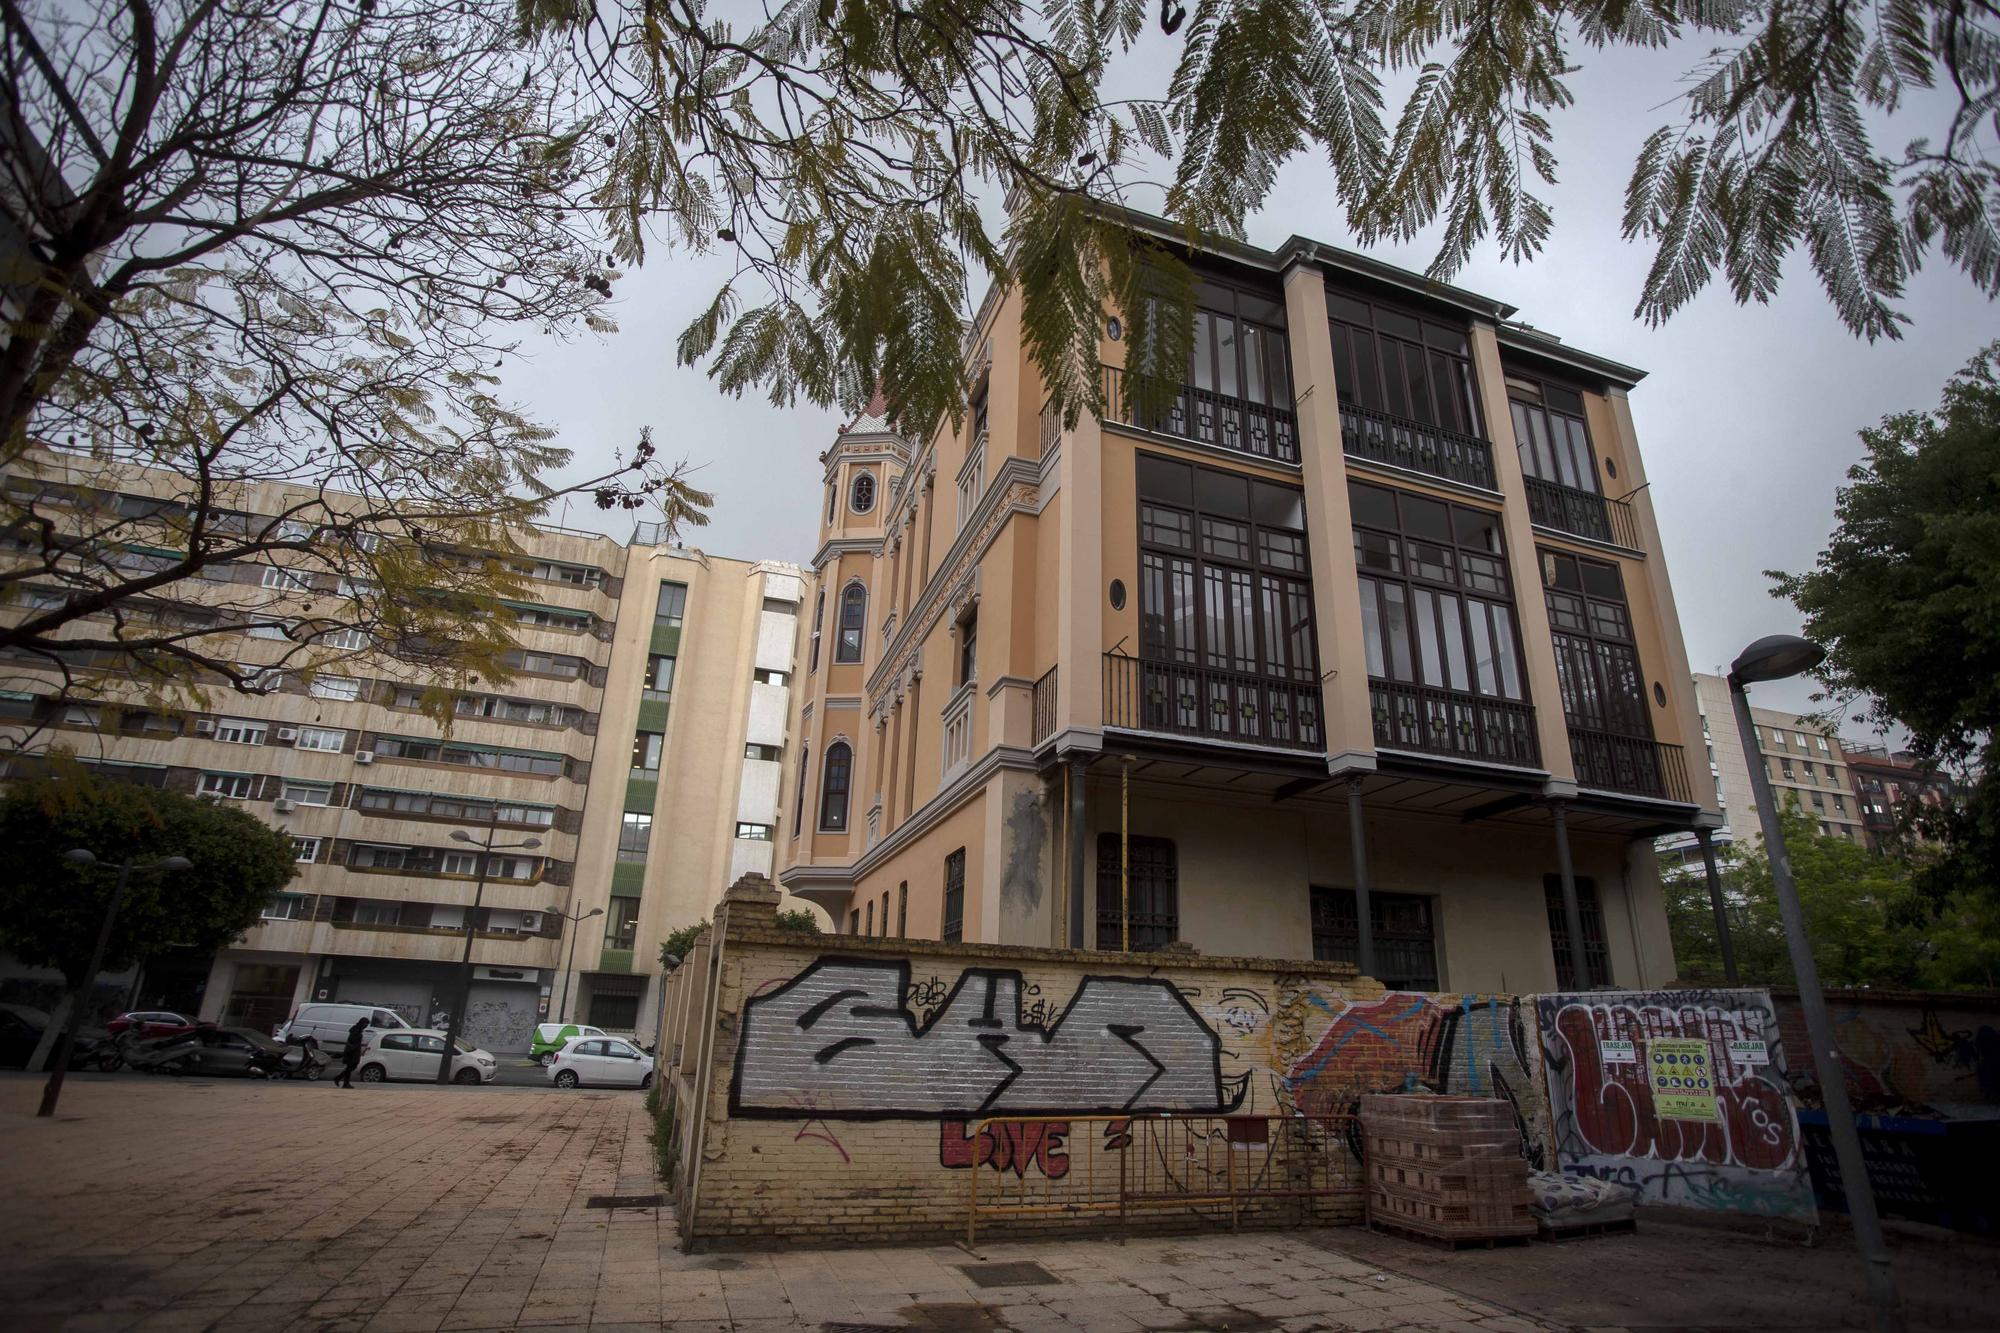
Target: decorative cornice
(1009, 683)
(836, 546)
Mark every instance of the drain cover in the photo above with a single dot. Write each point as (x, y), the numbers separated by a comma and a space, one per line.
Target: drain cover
(625, 1201)
(1009, 1275)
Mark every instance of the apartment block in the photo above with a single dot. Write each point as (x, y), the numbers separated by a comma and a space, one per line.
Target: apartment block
(626, 773)
(1360, 647)
(1883, 780)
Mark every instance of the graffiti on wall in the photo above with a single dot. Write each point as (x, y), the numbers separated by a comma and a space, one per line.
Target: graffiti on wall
(844, 1039)
(1907, 1057)
(1605, 1124)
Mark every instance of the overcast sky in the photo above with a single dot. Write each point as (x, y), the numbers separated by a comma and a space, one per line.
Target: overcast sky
(1747, 417)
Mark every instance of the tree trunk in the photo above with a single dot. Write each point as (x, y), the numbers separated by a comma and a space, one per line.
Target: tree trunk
(38, 1062)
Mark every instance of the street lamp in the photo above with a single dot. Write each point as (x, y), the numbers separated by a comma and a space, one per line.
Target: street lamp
(457, 1014)
(84, 858)
(570, 971)
(1777, 657)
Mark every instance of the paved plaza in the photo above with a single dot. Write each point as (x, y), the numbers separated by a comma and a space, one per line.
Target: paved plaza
(170, 1204)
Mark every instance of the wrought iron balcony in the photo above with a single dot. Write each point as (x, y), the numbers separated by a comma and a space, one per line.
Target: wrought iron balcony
(1584, 513)
(1400, 442)
(1453, 724)
(1215, 705)
(1635, 764)
(1261, 430)
(1045, 706)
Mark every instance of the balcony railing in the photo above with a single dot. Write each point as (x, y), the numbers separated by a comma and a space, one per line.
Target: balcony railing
(1045, 707)
(1456, 725)
(1185, 700)
(1261, 430)
(1052, 427)
(1635, 764)
(1585, 513)
(1399, 442)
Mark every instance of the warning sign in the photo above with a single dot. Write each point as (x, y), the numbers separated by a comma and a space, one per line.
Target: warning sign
(1683, 1079)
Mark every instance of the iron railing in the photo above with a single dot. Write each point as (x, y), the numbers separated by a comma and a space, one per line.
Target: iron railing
(1262, 430)
(1045, 707)
(1234, 1170)
(1639, 765)
(1051, 427)
(1584, 513)
(1185, 700)
(1400, 442)
(1453, 724)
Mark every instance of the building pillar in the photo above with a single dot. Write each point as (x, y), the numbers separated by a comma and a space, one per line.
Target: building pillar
(1579, 960)
(1336, 592)
(1531, 612)
(1364, 916)
(1706, 838)
(1080, 592)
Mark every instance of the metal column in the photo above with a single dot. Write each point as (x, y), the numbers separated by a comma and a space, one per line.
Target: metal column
(1705, 838)
(1364, 918)
(1075, 831)
(1579, 961)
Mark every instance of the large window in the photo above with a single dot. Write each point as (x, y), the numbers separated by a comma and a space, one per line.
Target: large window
(1223, 578)
(672, 606)
(799, 788)
(330, 739)
(240, 731)
(634, 833)
(659, 681)
(1596, 956)
(1550, 433)
(646, 747)
(230, 786)
(968, 646)
(819, 618)
(470, 756)
(621, 926)
(1387, 360)
(1155, 896)
(953, 925)
(1404, 934)
(853, 616)
(836, 775)
(1596, 661)
(1240, 362)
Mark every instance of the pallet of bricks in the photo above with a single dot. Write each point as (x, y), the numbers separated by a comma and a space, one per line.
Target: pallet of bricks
(1446, 1169)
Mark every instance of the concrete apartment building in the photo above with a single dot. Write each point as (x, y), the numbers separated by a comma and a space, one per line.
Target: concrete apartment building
(1374, 609)
(640, 744)
(1801, 758)
(1883, 779)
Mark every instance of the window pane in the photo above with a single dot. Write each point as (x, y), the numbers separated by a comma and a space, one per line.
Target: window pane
(1454, 642)
(1482, 654)
(1373, 506)
(1371, 627)
(1503, 649)
(1427, 638)
(1399, 630)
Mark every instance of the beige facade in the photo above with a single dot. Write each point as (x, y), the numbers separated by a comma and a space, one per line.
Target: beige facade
(1803, 760)
(639, 747)
(1126, 682)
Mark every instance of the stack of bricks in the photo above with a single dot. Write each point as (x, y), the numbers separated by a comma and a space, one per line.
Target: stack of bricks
(1445, 1168)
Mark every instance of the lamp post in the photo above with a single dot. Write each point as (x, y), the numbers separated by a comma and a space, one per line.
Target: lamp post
(83, 857)
(1777, 657)
(457, 1016)
(570, 971)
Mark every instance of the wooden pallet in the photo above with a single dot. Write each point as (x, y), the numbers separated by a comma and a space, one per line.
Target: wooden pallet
(1581, 1230)
(1384, 1226)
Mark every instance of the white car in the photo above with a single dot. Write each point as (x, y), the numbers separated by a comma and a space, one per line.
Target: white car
(606, 1062)
(412, 1053)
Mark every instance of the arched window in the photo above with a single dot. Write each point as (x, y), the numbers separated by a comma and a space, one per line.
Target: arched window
(836, 775)
(819, 618)
(853, 613)
(863, 498)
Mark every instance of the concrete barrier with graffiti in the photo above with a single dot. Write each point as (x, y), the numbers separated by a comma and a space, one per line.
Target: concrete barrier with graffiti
(1731, 1143)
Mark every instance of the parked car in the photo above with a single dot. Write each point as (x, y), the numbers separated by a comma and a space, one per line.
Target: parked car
(326, 1025)
(550, 1038)
(610, 1062)
(21, 1028)
(217, 1053)
(412, 1053)
(150, 1023)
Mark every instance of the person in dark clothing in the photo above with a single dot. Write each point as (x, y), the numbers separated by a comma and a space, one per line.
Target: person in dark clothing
(351, 1057)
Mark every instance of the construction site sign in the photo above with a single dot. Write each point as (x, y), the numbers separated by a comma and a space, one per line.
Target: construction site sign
(1683, 1078)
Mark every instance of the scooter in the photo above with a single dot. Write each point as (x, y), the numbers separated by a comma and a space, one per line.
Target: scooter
(279, 1064)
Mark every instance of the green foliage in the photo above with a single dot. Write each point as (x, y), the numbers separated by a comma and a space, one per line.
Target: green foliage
(1906, 600)
(678, 943)
(1857, 908)
(51, 910)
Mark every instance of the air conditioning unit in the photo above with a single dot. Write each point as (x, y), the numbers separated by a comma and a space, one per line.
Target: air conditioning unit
(284, 805)
(288, 733)
(204, 726)
(530, 921)
(364, 756)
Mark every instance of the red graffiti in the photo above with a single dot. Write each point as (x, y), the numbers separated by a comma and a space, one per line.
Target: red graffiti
(1614, 1107)
(1008, 1145)
(1375, 1047)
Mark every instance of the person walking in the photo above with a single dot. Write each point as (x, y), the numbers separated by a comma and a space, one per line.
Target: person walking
(351, 1056)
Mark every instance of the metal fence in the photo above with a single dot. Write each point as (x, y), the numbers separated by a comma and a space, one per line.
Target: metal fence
(1217, 1170)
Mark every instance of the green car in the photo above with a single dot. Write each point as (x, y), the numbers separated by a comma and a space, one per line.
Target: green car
(551, 1037)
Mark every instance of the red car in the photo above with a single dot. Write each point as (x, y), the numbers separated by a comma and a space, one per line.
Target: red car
(151, 1023)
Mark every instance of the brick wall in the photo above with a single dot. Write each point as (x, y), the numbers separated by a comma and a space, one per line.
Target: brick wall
(1906, 1052)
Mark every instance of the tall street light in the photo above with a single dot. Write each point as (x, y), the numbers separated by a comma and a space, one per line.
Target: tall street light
(1777, 657)
(83, 857)
(570, 971)
(457, 1015)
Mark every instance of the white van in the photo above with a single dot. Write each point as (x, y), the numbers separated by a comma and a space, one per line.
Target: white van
(326, 1025)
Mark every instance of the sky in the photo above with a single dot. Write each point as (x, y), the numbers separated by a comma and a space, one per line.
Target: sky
(1747, 418)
